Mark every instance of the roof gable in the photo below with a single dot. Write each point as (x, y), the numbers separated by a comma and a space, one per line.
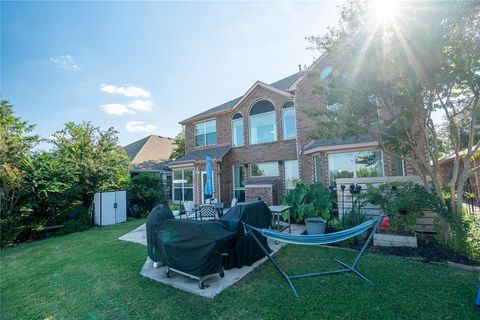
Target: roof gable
(281, 86)
(150, 152)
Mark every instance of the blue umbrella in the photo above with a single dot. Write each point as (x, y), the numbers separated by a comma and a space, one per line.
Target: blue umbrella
(208, 190)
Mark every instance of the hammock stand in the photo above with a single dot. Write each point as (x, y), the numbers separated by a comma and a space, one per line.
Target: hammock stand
(317, 240)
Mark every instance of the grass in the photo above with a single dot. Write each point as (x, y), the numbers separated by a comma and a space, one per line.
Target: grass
(92, 275)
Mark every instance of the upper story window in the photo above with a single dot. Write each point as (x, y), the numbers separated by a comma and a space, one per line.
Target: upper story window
(289, 125)
(262, 122)
(205, 133)
(237, 130)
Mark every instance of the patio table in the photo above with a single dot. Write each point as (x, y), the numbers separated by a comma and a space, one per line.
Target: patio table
(277, 211)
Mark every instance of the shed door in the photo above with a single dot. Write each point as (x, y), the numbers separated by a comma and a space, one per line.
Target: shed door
(121, 210)
(108, 210)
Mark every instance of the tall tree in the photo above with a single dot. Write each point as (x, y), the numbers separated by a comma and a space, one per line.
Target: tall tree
(16, 141)
(100, 162)
(180, 145)
(393, 69)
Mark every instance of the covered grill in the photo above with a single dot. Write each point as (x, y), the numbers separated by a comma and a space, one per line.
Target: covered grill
(155, 219)
(194, 248)
(246, 251)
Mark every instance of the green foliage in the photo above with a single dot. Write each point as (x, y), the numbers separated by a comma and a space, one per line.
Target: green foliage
(174, 207)
(39, 190)
(145, 189)
(16, 140)
(99, 161)
(309, 201)
(352, 219)
(179, 150)
(403, 202)
(78, 220)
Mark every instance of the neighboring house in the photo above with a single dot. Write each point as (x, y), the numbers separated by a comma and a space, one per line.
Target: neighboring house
(260, 145)
(151, 154)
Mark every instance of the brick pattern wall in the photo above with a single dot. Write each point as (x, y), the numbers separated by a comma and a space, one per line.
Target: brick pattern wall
(270, 195)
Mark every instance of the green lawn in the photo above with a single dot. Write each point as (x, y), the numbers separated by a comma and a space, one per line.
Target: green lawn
(92, 275)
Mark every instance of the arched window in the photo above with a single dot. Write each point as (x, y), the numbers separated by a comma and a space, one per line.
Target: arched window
(262, 122)
(237, 130)
(288, 118)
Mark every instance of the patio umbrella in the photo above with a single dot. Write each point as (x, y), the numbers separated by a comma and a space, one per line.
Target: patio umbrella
(208, 190)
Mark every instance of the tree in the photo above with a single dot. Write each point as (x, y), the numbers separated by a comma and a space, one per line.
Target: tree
(180, 145)
(100, 163)
(16, 141)
(391, 73)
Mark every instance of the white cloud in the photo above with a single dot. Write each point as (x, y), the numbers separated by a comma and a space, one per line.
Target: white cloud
(141, 105)
(139, 126)
(66, 62)
(116, 109)
(127, 91)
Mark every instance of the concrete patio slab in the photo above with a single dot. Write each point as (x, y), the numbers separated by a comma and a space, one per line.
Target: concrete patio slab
(213, 285)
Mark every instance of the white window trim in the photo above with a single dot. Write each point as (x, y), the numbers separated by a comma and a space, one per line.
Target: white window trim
(285, 173)
(355, 171)
(294, 123)
(205, 134)
(274, 127)
(233, 179)
(182, 181)
(242, 133)
(254, 177)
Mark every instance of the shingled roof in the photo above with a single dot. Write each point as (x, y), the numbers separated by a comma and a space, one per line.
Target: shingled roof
(150, 153)
(282, 84)
(336, 142)
(216, 153)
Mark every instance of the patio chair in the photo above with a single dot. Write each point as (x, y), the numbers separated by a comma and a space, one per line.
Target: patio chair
(208, 211)
(189, 209)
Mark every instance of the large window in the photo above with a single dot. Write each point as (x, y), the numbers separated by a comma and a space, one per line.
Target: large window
(355, 165)
(265, 169)
(183, 185)
(205, 133)
(237, 130)
(289, 125)
(291, 174)
(262, 122)
(239, 183)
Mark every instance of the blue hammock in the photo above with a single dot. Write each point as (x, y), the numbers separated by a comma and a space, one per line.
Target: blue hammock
(317, 240)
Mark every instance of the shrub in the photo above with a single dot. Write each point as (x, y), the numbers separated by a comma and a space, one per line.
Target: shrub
(403, 202)
(78, 220)
(145, 189)
(309, 201)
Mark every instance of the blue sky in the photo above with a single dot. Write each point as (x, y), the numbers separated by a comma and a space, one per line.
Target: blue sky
(144, 66)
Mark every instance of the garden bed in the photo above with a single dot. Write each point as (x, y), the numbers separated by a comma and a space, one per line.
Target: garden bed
(428, 250)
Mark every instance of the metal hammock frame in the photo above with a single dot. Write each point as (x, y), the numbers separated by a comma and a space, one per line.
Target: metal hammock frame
(329, 238)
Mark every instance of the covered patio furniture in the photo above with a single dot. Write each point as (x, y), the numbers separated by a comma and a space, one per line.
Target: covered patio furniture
(246, 251)
(155, 220)
(194, 248)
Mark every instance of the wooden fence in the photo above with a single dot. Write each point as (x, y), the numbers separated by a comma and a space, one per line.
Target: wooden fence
(349, 188)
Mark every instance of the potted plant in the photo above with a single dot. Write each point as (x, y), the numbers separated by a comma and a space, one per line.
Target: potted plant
(311, 204)
(175, 209)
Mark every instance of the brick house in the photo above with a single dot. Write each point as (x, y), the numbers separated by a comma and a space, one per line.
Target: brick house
(260, 145)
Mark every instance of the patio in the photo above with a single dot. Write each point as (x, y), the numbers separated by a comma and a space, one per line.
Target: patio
(215, 285)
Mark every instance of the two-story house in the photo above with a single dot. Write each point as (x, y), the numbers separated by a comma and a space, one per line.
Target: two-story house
(260, 144)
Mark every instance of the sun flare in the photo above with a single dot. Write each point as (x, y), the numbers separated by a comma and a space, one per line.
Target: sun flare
(384, 9)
